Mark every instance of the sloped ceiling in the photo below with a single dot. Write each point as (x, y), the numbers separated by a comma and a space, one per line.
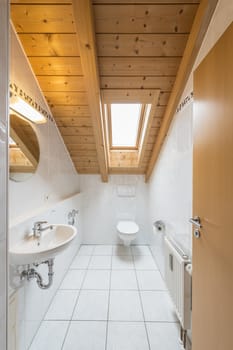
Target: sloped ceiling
(138, 47)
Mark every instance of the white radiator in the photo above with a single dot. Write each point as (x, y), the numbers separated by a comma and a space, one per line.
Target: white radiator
(179, 281)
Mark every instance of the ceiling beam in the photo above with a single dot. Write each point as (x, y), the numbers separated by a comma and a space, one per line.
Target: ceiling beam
(199, 28)
(84, 23)
(128, 95)
(148, 125)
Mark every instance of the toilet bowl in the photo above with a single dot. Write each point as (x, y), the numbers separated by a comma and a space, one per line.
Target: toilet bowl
(127, 231)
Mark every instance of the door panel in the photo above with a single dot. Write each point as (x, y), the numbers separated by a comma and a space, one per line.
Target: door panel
(213, 198)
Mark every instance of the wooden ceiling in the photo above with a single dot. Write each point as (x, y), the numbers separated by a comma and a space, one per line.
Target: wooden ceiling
(84, 52)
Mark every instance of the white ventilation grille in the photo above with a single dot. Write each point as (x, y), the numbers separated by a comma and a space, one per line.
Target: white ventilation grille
(178, 282)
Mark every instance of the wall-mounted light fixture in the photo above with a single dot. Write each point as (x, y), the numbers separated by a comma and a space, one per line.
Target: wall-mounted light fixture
(25, 110)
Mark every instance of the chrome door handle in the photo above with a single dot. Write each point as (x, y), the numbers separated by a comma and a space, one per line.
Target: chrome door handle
(196, 221)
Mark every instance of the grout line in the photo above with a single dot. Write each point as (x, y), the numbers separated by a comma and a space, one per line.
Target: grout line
(55, 293)
(110, 321)
(110, 280)
(139, 292)
(86, 269)
(68, 328)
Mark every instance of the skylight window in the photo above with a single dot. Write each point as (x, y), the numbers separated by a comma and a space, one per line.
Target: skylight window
(125, 121)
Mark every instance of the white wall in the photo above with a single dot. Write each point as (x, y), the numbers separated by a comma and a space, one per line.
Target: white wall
(4, 17)
(55, 178)
(102, 208)
(29, 303)
(170, 186)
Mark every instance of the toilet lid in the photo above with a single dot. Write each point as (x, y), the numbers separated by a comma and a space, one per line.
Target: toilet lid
(127, 227)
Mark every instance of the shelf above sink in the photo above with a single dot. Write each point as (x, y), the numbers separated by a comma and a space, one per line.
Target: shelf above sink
(33, 250)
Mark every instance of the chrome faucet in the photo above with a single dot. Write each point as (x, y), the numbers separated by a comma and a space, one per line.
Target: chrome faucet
(71, 216)
(38, 229)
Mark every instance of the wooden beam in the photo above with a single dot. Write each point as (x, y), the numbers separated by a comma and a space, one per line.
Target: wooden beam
(200, 25)
(23, 147)
(129, 95)
(148, 126)
(84, 23)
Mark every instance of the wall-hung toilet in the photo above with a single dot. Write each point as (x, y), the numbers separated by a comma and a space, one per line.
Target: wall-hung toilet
(127, 231)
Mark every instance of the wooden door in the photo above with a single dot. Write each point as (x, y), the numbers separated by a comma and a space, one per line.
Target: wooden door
(213, 198)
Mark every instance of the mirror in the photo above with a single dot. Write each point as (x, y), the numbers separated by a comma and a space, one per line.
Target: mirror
(24, 149)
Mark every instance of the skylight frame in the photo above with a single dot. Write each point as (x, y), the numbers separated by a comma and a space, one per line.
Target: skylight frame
(139, 131)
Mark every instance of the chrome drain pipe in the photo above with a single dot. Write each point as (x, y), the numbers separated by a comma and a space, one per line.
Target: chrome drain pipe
(31, 273)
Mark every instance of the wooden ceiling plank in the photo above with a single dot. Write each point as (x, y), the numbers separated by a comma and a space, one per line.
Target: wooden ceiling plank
(137, 45)
(72, 131)
(128, 96)
(62, 83)
(72, 122)
(66, 98)
(156, 123)
(138, 66)
(86, 39)
(49, 44)
(41, 1)
(126, 171)
(36, 18)
(56, 65)
(160, 2)
(73, 147)
(200, 25)
(87, 170)
(84, 153)
(75, 140)
(163, 98)
(64, 111)
(140, 82)
(144, 18)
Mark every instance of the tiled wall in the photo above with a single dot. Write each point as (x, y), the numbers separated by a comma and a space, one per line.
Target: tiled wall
(170, 187)
(3, 168)
(104, 207)
(28, 303)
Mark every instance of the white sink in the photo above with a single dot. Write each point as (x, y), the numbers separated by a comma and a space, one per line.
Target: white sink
(52, 241)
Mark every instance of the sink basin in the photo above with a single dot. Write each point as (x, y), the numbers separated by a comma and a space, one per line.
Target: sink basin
(53, 241)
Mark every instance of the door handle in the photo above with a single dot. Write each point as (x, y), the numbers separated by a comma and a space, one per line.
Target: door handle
(196, 221)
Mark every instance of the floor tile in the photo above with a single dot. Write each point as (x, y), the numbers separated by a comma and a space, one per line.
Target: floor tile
(80, 262)
(127, 336)
(62, 305)
(103, 250)
(125, 306)
(150, 280)
(86, 249)
(45, 338)
(97, 279)
(85, 335)
(140, 250)
(100, 262)
(163, 336)
(122, 262)
(121, 250)
(73, 279)
(123, 279)
(144, 262)
(92, 305)
(157, 306)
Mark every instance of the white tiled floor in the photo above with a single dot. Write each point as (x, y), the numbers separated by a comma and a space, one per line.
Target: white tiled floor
(112, 298)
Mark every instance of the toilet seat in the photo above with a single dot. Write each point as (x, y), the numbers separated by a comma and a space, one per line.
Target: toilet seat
(127, 227)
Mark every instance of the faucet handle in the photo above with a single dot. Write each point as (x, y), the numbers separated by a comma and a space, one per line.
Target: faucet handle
(38, 223)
